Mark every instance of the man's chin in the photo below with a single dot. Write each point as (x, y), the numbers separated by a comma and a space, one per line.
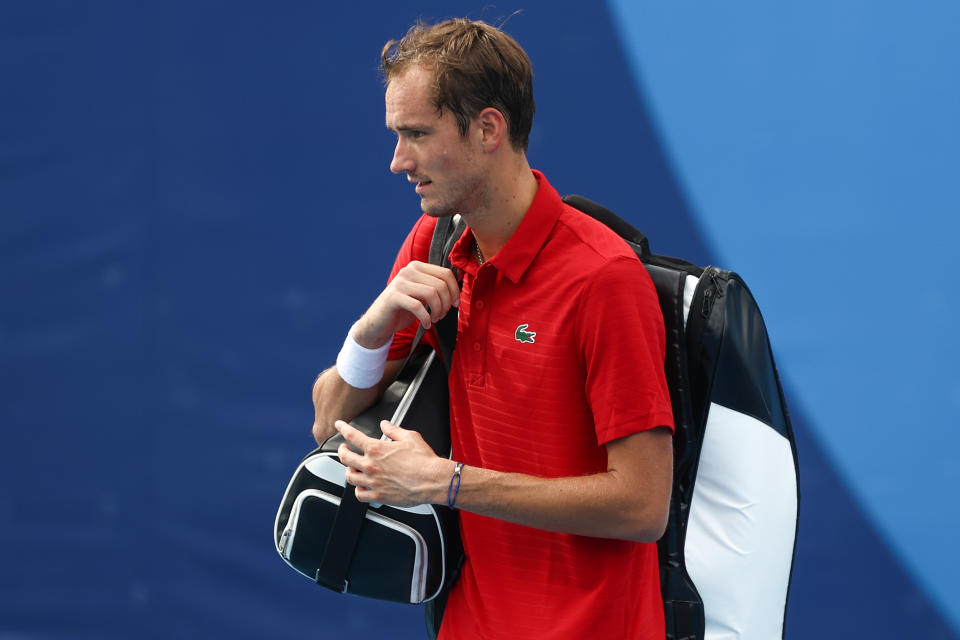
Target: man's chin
(435, 211)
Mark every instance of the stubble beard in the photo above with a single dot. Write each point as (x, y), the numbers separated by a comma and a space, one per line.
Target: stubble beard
(465, 195)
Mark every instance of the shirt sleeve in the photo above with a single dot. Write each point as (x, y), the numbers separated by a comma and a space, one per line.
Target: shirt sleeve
(415, 247)
(622, 338)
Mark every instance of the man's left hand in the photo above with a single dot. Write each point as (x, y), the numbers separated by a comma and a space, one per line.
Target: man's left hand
(402, 471)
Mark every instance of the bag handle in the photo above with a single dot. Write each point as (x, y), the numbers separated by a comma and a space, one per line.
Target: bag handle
(342, 543)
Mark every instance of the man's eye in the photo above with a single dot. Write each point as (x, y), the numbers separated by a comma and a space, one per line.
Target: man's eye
(416, 134)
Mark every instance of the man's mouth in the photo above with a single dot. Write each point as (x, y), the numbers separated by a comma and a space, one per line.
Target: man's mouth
(421, 184)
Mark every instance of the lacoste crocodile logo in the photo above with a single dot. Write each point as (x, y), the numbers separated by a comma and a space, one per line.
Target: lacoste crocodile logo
(522, 335)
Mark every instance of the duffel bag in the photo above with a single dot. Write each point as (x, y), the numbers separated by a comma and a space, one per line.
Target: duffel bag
(401, 554)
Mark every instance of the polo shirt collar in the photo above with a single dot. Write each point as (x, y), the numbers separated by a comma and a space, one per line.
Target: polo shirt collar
(518, 253)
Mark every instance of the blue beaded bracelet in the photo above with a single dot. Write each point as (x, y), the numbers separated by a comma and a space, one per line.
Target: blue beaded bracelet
(451, 492)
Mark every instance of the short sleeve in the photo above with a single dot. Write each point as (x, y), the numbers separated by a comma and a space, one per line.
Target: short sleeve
(622, 339)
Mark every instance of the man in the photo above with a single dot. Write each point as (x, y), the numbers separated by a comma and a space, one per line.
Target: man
(560, 413)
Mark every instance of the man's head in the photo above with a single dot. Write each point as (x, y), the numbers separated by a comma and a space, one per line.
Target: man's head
(474, 66)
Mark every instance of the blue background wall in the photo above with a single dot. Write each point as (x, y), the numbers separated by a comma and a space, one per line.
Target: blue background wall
(195, 204)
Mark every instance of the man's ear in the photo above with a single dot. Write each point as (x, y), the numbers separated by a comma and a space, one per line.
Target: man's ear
(492, 127)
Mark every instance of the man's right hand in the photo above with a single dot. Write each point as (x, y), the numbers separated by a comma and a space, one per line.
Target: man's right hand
(416, 287)
(420, 291)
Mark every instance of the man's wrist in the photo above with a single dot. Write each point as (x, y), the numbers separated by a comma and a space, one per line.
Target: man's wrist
(360, 366)
(441, 480)
(360, 332)
(453, 490)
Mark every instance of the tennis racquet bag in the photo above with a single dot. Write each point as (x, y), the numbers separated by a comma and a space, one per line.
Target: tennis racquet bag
(401, 554)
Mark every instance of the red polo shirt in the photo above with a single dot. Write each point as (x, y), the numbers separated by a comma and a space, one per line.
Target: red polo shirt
(560, 349)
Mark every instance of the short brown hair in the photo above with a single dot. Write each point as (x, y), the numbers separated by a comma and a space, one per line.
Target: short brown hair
(475, 66)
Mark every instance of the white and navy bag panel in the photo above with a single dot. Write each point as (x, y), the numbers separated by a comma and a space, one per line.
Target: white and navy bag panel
(390, 553)
(743, 513)
(727, 554)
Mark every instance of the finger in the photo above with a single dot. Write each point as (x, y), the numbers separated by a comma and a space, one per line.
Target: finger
(446, 284)
(450, 279)
(351, 459)
(432, 295)
(440, 278)
(437, 270)
(410, 436)
(352, 435)
(365, 494)
(403, 298)
(392, 431)
(431, 291)
(356, 478)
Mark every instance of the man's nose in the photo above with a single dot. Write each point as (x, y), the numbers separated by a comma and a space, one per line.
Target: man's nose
(402, 162)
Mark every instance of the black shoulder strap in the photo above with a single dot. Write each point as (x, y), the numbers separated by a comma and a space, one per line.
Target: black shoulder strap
(623, 228)
(345, 532)
(447, 232)
(342, 543)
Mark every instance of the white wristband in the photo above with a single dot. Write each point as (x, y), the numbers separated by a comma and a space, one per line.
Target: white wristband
(361, 367)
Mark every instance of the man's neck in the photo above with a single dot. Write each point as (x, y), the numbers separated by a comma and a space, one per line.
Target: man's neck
(510, 195)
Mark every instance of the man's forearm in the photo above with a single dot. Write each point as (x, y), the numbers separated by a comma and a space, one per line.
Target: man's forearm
(334, 399)
(628, 501)
(597, 505)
